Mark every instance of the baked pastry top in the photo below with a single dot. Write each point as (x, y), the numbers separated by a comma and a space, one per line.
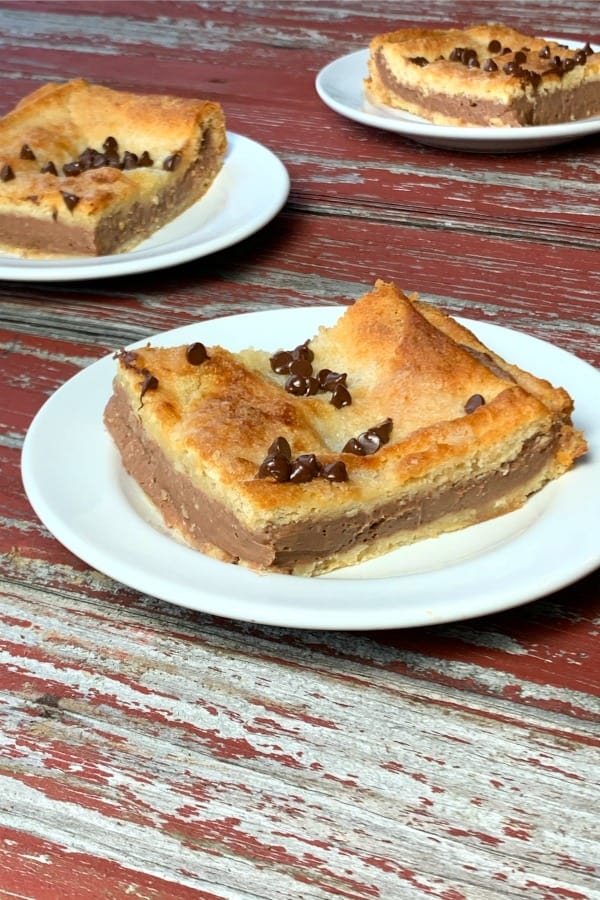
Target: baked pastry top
(87, 170)
(489, 74)
(392, 425)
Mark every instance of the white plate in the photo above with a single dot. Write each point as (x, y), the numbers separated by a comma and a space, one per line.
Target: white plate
(249, 191)
(75, 483)
(340, 86)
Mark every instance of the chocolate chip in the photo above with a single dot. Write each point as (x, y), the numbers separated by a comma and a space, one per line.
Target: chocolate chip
(520, 56)
(580, 58)
(171, 162)
(280, 362)
(73, 168)
(6, 173)
(300, 367)
(494, 46)
(26, 152)
(71, 200)
(299, 474)
(587, 49)
(490, 66)
(277, 467)
(568, 64)
(328, 379)
(335, 471)
(340, 396)
(145, 160)
(280, 447)
(303, 351)
(130, 160)
(472, 63)
(110, 145)
(196, 354)
(310, 462)
(474, 402)
(418, 60)
(505, 50)
(150, 382)
(49, 169)
(302, 385)
(383, 430)
(544, 52)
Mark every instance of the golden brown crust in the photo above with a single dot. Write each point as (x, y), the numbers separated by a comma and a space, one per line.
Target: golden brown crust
(115, 208)
(404, 360)
(415, 69)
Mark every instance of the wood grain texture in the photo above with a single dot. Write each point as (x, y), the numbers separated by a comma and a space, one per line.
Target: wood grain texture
(154, 752)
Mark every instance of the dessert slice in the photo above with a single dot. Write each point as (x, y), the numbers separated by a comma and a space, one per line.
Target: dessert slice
(393, 425)
(485, 75)
(86, 170)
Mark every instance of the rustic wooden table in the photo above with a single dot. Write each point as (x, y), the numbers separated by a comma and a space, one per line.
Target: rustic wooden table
(151, 751)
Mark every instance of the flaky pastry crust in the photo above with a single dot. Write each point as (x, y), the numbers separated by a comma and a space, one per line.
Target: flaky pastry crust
(489, 74)
(446, 463)
(57, 198)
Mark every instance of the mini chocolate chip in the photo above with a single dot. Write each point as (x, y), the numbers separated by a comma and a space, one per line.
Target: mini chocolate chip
(73, 168)
(335, 471)
(277, 467)
(300, 366)
(328, 379)
(280, 362)
(111, 159)
(511, 68)
(110, 145)
(353, 445)
(544, 52)
(505, 50)
(580, 58)
(383, 430)
(474, 402)
(490, 66)
(49, 169)
(26, 152)
(494, 46)
(301, 385)
(130, 160)
(303, 351)
(587, 49)
(568, 64)
(520, 56)
(310, 461)
(145, 160)
(418, 60)
(280, 447)
(196, 354)
(299, 474)
(6, 173)
(472, 63)
(71, 200)
(171, 162)
(150, 382)
(127, 357)
(340, 396)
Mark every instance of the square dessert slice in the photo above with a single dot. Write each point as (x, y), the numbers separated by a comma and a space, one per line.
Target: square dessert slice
(393, 425)
(486, 75)
(87, 170)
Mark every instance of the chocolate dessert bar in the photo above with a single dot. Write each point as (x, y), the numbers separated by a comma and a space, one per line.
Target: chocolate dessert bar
(486, 75)
(393, 425)
(87, 170)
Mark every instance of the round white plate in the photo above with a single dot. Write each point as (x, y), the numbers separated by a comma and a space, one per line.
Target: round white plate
(340, 86)
(247, 193)
(77, 486)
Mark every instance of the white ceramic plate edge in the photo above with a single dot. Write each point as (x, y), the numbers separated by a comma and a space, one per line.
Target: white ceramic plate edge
(524, 555)
(236, 205)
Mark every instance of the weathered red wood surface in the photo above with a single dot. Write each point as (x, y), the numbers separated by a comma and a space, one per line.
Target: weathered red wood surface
(149, 751)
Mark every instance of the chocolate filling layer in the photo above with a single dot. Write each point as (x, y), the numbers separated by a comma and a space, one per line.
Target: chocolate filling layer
(204, 521)
(117, 232)
(544, 109)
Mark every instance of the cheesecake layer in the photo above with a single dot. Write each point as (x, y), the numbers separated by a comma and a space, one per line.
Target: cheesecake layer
(207, 524)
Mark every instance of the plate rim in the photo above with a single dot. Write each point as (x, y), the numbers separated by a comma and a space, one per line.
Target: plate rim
(450, 134)
(177, 250)
(248, 602)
